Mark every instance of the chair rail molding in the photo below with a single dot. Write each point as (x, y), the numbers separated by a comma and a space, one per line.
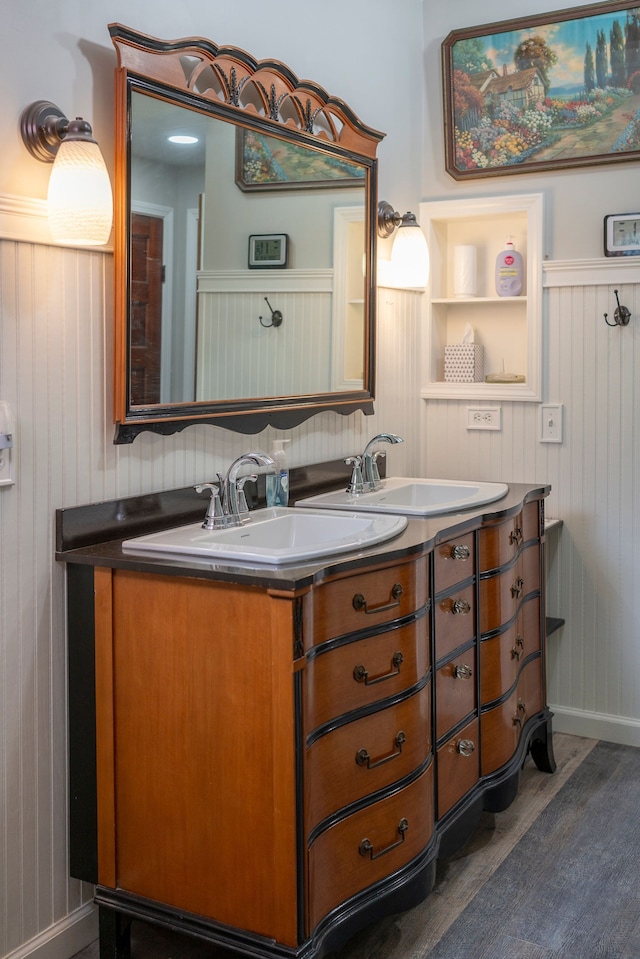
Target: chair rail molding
(24, 219)
(600, 271)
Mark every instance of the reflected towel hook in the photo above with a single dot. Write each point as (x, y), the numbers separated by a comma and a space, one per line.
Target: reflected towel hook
(276, 316)
(621, 316)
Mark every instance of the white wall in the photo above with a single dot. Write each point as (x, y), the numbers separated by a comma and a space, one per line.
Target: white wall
(592, 370)
(55, 370)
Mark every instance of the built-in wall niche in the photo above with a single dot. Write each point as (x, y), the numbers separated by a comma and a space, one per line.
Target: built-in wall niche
(509, 328)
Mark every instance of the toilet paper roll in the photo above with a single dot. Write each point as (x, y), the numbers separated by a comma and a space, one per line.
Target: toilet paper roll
(464, 271)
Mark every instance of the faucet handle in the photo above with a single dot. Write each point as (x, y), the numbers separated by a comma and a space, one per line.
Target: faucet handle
(356, 484)
(242, 499)
(375, 482)
(214, 518)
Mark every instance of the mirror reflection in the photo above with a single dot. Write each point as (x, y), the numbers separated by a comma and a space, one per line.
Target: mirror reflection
(227, 226)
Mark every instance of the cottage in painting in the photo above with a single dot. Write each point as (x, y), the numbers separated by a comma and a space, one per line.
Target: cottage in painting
(522, 88)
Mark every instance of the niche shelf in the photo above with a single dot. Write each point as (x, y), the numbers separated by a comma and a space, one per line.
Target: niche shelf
(509, 328)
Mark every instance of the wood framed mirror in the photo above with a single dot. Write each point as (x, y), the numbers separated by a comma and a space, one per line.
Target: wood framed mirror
(245, 233)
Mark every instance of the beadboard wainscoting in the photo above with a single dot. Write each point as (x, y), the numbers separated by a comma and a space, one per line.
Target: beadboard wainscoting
(56, 324)
(593, 370)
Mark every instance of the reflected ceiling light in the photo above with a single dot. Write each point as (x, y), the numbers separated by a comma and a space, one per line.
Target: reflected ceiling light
(177, 138)
(80, 199)
(409, 254)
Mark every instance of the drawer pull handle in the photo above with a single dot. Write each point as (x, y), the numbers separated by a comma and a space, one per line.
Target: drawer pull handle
(359, 602)
(465, 747)
(366, 846)
(517, 720)
(462, 671)
(518, 649)
(515, 538)
(460, 551)
(364, 759)
(517, 588)
(459, 607)
(361, 675)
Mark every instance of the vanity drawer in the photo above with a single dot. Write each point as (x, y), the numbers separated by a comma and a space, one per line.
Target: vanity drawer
(502, 594)
(367, 846)
(359, 673)
(458, 767)
(365, 755)
(502, 655)
(455, 691)
(366, 600)
(453, 562)
(499, 544)
(502, 725)
(455, 621)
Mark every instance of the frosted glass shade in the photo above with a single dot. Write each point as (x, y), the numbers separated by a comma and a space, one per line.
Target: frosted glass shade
(80, 199)
(410, 258)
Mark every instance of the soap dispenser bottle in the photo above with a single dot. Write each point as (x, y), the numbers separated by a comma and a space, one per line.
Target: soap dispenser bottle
(277, 483)
(509, 271)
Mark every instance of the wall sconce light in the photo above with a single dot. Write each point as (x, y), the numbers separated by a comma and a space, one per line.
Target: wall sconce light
(80, 198)
(409, 253)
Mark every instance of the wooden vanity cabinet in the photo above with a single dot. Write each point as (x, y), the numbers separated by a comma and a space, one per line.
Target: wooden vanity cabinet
(456, 712)
(273, 766)
(511, 631)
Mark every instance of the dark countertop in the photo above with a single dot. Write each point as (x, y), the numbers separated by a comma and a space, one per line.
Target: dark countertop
(93, 534)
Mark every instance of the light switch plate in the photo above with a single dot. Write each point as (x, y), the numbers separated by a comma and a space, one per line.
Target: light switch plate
(551, 423)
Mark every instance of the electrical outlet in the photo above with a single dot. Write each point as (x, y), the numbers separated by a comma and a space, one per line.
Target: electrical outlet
(551, 423)
(484, 418)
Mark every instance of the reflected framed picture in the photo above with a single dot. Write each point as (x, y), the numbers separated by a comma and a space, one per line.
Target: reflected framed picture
(271, 163)
(622, 234)
(543, 92)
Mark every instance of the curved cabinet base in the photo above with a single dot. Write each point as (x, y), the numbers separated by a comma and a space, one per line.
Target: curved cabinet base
(397, 893)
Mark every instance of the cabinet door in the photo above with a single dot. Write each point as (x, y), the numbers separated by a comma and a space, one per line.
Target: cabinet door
(203, 750)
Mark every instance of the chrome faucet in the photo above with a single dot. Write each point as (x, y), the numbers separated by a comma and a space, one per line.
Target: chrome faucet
(370, 457)
(228, 504)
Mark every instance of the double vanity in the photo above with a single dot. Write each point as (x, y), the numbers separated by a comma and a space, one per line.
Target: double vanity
(278, 726)
(270, 754)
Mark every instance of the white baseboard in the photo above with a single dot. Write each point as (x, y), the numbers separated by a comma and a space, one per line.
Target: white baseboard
(64, 938)
(612, 729)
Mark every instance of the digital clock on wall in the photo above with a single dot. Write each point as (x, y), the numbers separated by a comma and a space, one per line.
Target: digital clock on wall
(268, 251)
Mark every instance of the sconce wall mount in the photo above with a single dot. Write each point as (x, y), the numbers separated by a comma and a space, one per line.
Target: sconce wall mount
(409, 253)
(80, 198)
(44, 126)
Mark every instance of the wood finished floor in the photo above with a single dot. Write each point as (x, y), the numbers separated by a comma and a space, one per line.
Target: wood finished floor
(470, 913)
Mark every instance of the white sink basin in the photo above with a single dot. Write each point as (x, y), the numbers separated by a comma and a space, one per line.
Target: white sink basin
(413, 497)
(275, 535)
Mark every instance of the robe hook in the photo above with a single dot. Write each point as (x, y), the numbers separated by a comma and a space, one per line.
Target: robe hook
(621, 316)
(276, 316)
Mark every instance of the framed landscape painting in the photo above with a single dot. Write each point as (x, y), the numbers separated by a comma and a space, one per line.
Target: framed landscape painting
(270, 163)
(543, 92)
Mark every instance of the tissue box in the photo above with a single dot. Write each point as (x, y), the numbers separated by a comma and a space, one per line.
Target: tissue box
(464, 363)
